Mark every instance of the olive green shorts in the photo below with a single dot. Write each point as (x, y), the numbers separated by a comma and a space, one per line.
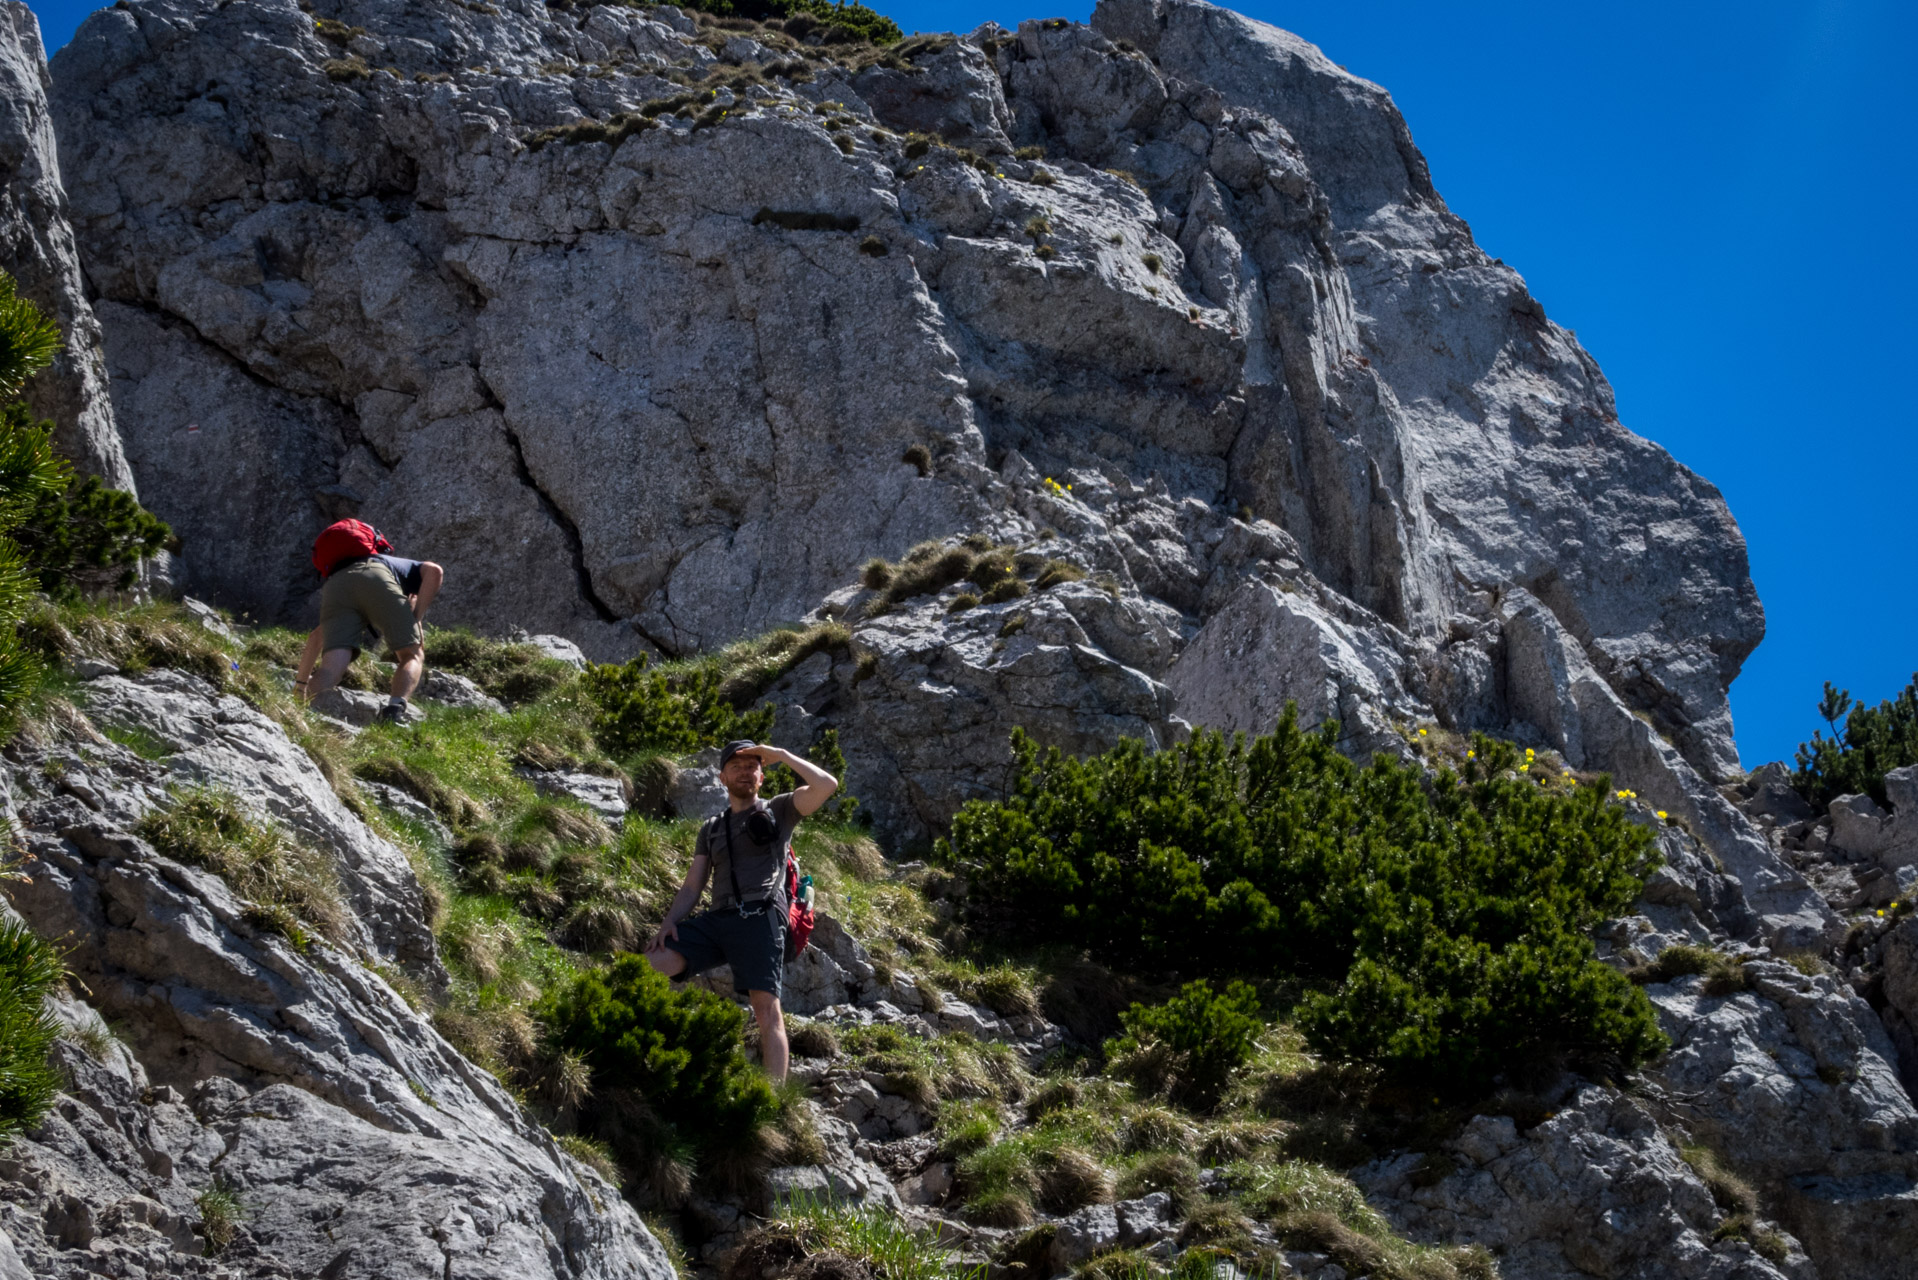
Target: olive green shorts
(362, 596)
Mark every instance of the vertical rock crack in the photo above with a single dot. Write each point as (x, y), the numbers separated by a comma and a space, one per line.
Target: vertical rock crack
(575, 544)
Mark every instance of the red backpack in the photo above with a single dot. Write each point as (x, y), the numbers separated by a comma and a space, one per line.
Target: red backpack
(800, 917)
(346, 540)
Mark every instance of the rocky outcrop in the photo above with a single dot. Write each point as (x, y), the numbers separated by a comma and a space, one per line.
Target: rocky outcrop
(1594, 1189)
(289, 1073)
(37, 250)
(1222, 358)
(1795, 1084)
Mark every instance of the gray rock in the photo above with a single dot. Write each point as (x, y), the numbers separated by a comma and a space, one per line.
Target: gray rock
(1771, 795)
(1900, 1014)
(1860, 828)
(217, 740)
(1099, 1227)
(560, 649)
(610, 798)
(1795, 1083)
(1556, 692)
(1594, 1190)
(209, 617)
(359, 1143)
(409, 807)
(358, 707)
(1376, 458)
(38, 251)
(1335, 384)
(696, 792)
(1266, 647)
(932, 724)
(954, 94)
(450, 689)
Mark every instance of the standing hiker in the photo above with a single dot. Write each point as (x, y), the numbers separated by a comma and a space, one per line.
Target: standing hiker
(367, 588)
(743, 849)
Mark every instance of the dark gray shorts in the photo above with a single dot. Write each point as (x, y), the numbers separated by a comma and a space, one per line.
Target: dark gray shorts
(755, 946)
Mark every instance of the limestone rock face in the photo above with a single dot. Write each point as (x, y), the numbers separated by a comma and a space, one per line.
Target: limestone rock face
(37, 250)
(655, 394)
(1594, 1190)
(219, 741)
(359, 1142)
(1796, 1084)
(1396, 467)
(1267, 647)
(625, 405)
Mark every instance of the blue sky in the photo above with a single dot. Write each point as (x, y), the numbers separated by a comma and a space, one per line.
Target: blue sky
(1718, 198)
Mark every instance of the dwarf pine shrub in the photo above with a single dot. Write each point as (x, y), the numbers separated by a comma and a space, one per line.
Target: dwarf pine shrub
(87, 537)
(1874, 741)
(29, 971)
(1205, 1035)
(1438, 923)
(679, 710)
(31, 475)
(667, 1070)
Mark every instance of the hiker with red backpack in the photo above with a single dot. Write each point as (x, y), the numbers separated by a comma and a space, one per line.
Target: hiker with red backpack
(365, 587)
(760, 916)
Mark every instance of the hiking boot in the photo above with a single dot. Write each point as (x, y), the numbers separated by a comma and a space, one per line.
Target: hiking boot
(392, 713)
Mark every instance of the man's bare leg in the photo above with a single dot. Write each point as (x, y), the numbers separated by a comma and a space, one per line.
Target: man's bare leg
(309, 657)
(409, 663)
(773, 1051)
(333, 665)
(667, 961)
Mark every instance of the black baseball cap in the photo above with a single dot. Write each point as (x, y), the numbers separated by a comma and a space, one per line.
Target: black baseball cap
(733, 748)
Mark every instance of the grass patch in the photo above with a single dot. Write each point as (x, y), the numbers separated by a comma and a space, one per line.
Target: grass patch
(137, 740)
(1312, 1207)
(596, 1156)
(820, 1229)
(1723, 974)
(221, 1212)
(289, 885)
(1730, 1192)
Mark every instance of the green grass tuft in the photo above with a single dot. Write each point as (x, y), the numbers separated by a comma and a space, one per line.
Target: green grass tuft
(289, 884)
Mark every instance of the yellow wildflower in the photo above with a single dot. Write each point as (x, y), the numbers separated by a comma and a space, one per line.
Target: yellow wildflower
(1471, 755)
(1661, 815)
(1421, 733)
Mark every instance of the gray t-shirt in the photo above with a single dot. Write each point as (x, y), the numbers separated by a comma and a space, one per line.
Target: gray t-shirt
(762, 867)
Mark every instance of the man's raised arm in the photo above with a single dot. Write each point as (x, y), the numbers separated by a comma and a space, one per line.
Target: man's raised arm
(816, 786)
